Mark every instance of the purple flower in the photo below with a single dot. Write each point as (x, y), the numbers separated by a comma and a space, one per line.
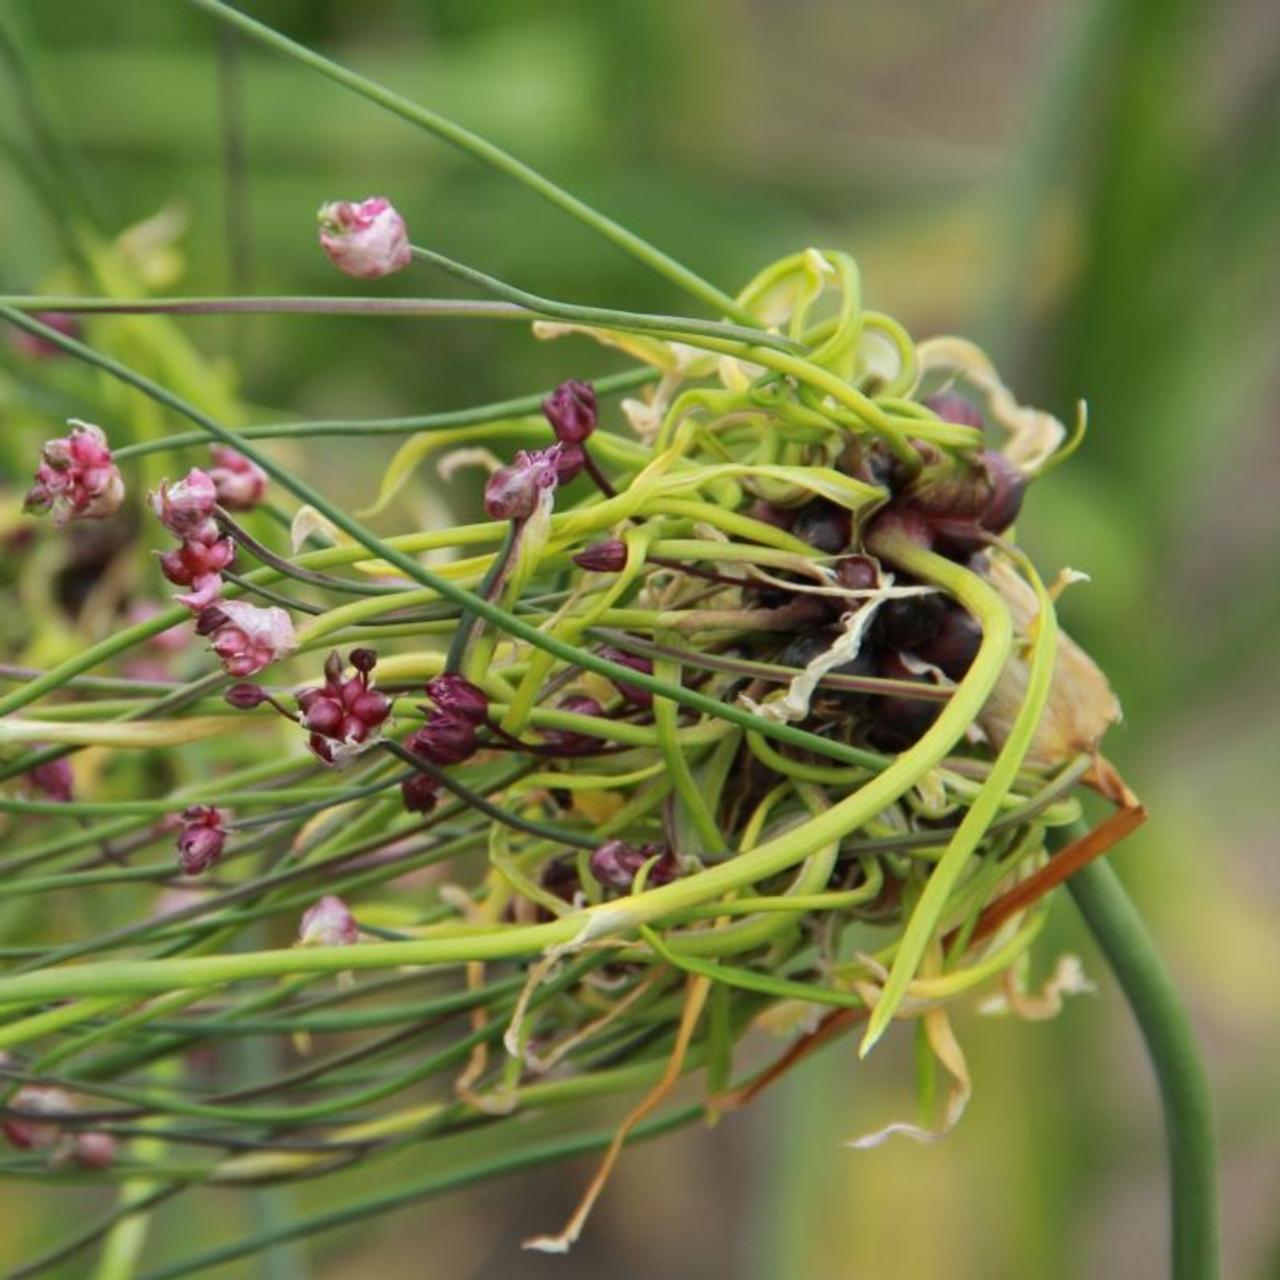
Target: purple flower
(446, 738)
(456, 694)
(201, 840)
(238, 483)
(367, 239)
(570, 742)
(571, 410)
(634, 693)
(608, 556)
(76, 478)
(420, 793)
(246, 638)
(616, 864)
(328, 923)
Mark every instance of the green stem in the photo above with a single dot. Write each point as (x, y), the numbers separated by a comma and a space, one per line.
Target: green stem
(1184, 1086)
(486, 153)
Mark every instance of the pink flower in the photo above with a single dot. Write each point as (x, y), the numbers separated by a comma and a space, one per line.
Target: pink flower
(38, 1127)
(35, 347)
(240, 484)
(185, 508)
(55, 779)
(513, 492)
(366, 240)
(344, 716)
(198, 564)
(94, 1150)
(76, 479)
(328, 923)
(245, 637)
(201, 839)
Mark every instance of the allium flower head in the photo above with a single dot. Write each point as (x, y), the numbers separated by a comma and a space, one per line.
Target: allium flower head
(186, 507)
(76, 478)
(366, 239)
(239, 484)
(328, 923)
(344, 715)
(202, 838)
(245, 637)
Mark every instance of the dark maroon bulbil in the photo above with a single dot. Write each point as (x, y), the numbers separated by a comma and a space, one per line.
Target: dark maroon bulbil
(608, 556)
(457, 695)
(616, 864)
(634, 693)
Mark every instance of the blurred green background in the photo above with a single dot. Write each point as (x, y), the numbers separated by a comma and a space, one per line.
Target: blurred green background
(1090, 189)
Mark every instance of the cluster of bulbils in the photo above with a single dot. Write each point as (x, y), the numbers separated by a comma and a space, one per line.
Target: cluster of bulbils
(956, 507)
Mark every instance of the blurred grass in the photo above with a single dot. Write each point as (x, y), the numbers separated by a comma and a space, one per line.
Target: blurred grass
(1095, 190)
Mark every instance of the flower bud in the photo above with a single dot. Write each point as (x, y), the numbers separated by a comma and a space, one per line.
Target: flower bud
(615, 864)
(367, 239)
(201, 840)
(36, 347)
(420, 793)
(571, 410)
(364, 660)
(456, 694)
(328, 923)
(37, 1127)
(185, 507)
(608, 556)
(950, 406)
(239, 484)
(446, 738)
(569, 742)
(634, 693)
(247, 638)
(94, 1150)
(76, 478)
(54, 779)
(245, 697)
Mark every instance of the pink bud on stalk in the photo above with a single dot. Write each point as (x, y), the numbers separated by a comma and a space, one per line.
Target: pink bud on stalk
(76, 479)
(616, 864)
(94, 1150)
(328, 923)
(246, 638)
(201, 840)
(38, 1126)
(366, 239)
(512, 492)
(186, 506)
(456, 694)
(36, 347)
(608, 556)
(571, 410)
(54, 779)
(239, 484)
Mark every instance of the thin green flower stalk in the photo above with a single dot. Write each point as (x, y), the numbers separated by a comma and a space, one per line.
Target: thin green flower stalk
(740, 706)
